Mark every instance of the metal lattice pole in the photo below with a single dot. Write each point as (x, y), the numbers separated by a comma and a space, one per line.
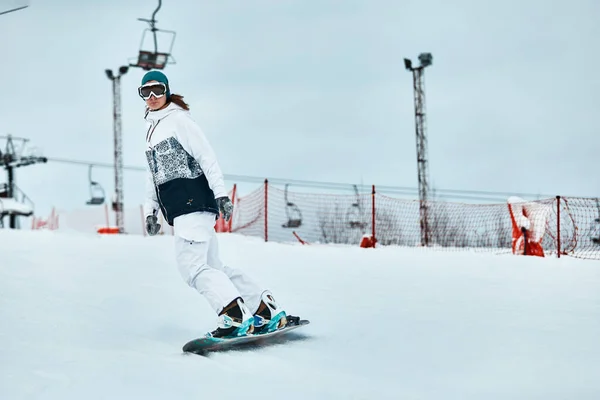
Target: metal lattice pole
(118, 147)
(118, 206)
(421, 138)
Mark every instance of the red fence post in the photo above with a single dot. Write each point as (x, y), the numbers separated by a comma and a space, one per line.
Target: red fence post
(233, 203)
(373, 214)
(266, 210)
(558, 226)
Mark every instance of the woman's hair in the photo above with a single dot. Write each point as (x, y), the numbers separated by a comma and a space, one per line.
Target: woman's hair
(178, 99)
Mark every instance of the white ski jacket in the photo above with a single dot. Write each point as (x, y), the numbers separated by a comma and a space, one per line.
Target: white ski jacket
(184, 177)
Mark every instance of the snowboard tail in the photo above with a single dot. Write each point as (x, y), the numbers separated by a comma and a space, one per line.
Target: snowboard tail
(206, 344)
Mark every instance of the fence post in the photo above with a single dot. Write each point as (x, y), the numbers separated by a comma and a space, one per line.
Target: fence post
(233, 203)
(53, 219)
(558, 226)
(266, 210)
(143, 222)
(373, 215)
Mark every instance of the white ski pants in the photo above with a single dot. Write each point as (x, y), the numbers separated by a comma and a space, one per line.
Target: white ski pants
(201, 268)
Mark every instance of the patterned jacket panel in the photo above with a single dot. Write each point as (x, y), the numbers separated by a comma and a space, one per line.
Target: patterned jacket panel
(168, 160)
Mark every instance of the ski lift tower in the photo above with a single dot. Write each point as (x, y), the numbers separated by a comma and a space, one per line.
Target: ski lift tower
(117, 204)
(152, 57)
(10, 159)
(426, 60)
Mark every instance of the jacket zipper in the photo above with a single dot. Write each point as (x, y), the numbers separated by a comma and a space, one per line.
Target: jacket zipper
(151, 131)
(148, 137)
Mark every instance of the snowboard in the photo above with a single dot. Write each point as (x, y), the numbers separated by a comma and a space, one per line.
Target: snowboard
(204, 345)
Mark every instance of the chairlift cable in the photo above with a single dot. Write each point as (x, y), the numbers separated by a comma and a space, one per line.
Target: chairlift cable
(399, 190)
(14, 9)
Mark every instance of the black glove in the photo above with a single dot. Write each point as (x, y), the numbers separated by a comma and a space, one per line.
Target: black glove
(225, 207)
(152, 225)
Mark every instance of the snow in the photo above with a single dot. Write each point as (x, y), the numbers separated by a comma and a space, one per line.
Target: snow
(10, 205)
(85, 316)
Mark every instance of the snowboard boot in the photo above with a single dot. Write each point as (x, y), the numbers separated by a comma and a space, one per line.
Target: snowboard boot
(235, 320)
(269, 317)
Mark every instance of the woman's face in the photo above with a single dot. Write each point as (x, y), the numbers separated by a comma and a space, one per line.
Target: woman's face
(154, 103)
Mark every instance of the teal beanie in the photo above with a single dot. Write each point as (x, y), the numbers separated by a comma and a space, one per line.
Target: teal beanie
(157, 76)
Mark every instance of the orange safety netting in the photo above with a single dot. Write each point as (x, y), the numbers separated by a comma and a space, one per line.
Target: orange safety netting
(571, 224)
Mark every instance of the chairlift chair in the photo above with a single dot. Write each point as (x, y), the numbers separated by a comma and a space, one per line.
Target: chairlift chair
(97, 194)
(154, 59)
(292, 211)
(354, 214)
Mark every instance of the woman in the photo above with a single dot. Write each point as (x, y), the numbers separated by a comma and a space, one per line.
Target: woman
(186, 184)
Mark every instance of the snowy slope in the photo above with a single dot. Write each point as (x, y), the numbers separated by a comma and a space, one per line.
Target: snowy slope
(89, 317)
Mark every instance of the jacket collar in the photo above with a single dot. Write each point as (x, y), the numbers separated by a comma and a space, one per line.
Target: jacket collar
(155, 116)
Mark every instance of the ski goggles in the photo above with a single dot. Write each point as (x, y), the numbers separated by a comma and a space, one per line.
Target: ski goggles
(154, 88)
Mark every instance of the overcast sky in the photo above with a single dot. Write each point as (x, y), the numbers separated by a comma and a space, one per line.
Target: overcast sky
(316, 90)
